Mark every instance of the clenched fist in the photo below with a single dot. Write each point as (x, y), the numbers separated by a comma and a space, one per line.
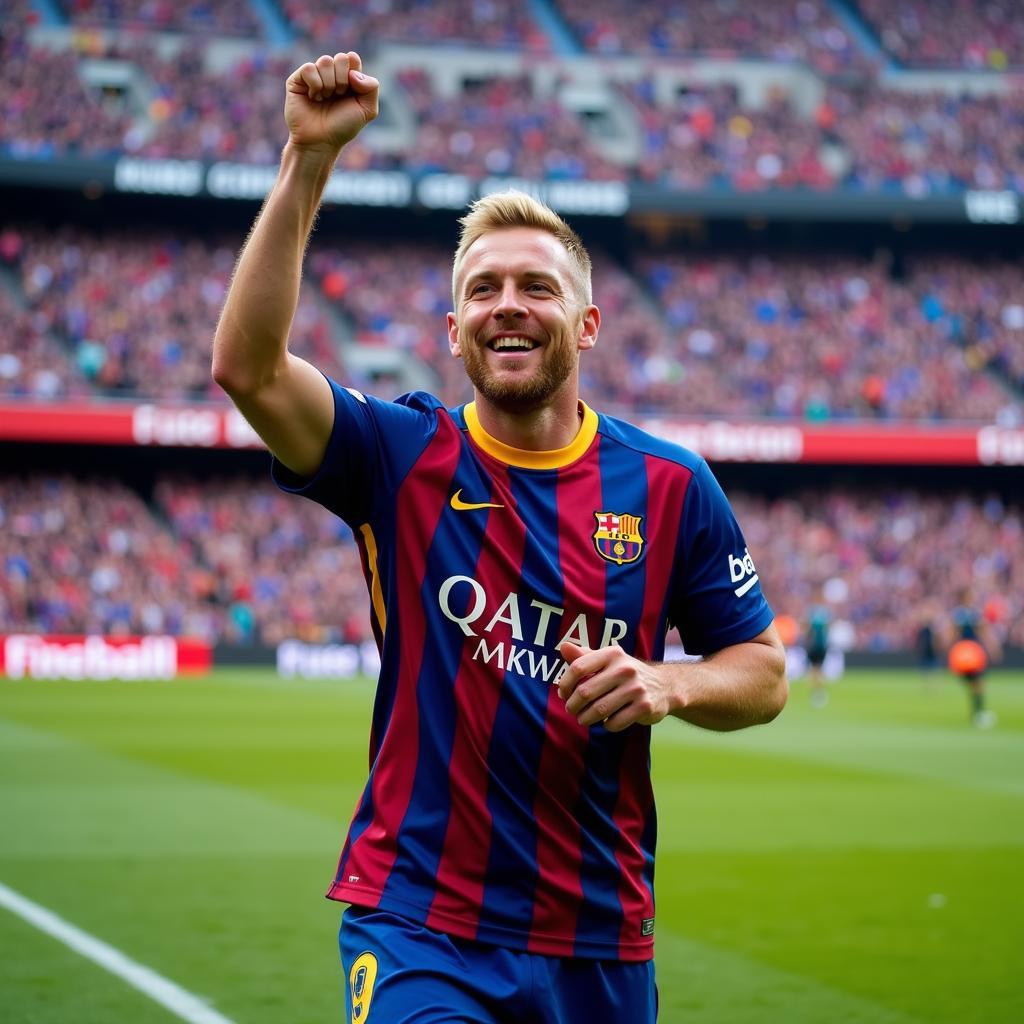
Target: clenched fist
(329, 101)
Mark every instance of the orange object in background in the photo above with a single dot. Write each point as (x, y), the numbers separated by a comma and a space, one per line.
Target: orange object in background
(967, 658)
(789, 630)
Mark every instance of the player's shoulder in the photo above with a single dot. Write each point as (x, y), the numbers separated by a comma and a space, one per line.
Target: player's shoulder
(411, 402)
(629, 435)
(420, 401)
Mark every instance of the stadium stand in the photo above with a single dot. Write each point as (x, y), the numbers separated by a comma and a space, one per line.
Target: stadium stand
(461, 22)
(130, 96)
(135, 314)
(778, 30)
(208, 17)
(240, 562)
(807, 338)
(721, 99)
(976, 34)
(881, 557)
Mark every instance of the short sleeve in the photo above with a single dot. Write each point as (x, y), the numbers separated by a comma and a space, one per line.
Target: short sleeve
(716, 598)
(373, 445)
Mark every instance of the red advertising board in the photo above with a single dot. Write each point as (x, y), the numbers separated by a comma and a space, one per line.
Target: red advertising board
(864, 443)
(35, 656)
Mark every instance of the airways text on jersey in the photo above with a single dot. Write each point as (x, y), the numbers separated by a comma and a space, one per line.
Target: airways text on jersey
(539, 628)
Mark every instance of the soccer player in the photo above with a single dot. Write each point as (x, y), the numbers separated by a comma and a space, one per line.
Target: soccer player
(524, 557)
(819, 619)
(973, 643)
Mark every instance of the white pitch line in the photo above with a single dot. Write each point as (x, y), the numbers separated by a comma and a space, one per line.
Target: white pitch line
(180, 1002)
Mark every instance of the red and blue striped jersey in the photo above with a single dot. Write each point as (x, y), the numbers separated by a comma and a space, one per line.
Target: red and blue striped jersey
(490, 813)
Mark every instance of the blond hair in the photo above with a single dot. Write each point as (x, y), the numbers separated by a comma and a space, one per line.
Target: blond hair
(502, 210)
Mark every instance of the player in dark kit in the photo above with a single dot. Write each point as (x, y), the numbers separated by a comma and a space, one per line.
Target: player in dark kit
(524, 556)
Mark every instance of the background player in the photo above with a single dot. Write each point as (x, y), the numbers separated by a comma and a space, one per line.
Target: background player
(819, 619)
(973, 643)
(500, 861)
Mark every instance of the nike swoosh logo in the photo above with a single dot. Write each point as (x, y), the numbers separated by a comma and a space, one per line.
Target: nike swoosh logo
(467, 506)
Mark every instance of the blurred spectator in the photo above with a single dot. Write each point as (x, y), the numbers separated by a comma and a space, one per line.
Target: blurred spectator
(358, 23)
(977, 306)
(33, 364)
(878, 557)
(279, 568)
(238, 561)
(209, 17)
(972, 34)
(864, 137)
(89, 557)
(826, 337)
(500, 127)
(781, 30)
(39, 122)
(803, 337)
(137, 312)
(705, 140)
(927, 142)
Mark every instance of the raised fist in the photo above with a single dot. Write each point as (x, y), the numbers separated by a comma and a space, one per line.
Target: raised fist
(329, 101)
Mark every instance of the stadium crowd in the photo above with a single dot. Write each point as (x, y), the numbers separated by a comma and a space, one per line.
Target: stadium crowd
(135, 313)
(460, 22)
(704, 139)
(778, 30)
(805, 337)
(827, 337)
(500, 127)
(209, 17)
(234, 560)
(974, 34)
(182, 105)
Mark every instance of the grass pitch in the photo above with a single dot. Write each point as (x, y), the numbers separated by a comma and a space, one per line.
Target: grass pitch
(861, 863)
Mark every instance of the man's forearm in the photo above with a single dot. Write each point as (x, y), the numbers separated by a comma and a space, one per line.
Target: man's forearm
(739, 686)
(251, 338)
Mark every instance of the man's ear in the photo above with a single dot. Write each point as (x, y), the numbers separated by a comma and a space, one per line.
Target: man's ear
(589, 327)
(453, 337)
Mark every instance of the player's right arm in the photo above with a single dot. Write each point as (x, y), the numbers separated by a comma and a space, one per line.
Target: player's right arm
(287, 401)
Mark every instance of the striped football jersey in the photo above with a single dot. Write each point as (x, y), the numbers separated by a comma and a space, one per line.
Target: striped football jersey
(490, 813)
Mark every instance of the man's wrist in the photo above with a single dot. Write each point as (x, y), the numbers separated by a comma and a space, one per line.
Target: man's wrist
(678, 677)
(317, 160)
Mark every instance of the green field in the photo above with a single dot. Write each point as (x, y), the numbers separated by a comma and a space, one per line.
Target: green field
(864, 862)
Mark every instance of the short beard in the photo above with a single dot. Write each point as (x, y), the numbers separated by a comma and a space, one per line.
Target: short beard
(529, 394)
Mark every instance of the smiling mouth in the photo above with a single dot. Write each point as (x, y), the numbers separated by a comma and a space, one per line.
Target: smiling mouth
(516, 343)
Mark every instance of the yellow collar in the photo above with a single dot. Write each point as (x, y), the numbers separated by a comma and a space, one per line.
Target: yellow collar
(524, 459)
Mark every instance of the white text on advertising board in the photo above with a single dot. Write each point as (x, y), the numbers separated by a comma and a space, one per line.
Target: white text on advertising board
(91, 657)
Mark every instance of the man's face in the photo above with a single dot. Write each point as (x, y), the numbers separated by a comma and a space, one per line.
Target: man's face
(520, 323)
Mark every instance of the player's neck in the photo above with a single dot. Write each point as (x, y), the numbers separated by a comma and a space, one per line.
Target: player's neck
(549, 428)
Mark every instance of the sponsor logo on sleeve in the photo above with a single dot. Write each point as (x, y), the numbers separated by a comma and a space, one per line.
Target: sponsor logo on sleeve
(742, 571)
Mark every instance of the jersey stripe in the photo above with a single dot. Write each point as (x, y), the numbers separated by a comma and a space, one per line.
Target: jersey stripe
(625, 490)
(454, 551)
(633, 810)
(580, 495)
(460, 878)
(667, 483)
(519, 723)
(372, 839)
(559, 891)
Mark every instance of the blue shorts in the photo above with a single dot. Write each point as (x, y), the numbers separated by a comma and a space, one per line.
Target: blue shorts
(398, 972)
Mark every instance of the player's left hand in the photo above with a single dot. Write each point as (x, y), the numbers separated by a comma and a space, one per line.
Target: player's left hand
(611, 687)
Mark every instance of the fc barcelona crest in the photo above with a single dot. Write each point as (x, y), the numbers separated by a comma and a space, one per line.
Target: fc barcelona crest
(617, 537)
